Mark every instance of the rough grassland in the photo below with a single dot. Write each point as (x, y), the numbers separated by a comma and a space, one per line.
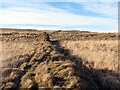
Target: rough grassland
(59, 59)
(102, 54)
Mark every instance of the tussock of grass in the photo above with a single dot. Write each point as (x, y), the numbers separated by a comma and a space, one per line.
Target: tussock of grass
(27, 80)
(40, 63)
(10, 85)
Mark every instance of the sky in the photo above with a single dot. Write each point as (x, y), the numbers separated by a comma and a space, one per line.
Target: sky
(83, 15)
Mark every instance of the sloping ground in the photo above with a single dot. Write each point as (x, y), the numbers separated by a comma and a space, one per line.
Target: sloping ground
(38, 62)
(46, 67)
(103, 54)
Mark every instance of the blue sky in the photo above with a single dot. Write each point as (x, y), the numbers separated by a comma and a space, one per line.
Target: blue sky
(84, 15)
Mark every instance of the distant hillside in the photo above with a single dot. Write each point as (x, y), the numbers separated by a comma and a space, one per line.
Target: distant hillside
(64, 35)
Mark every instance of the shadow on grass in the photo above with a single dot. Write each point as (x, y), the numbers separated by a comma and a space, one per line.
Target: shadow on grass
(105, 79)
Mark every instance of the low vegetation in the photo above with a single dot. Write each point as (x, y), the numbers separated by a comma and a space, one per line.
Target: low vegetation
(45, 59)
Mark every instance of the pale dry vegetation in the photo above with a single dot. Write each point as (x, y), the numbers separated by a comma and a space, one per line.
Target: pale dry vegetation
(102, 54)
(12, 49)
(35, 59)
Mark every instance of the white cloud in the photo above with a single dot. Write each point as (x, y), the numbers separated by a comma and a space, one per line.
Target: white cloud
(29, 16)
(48, 15)
(105, 8)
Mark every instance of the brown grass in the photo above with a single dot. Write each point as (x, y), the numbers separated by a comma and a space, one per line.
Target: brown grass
(102, 54)
(32, 59)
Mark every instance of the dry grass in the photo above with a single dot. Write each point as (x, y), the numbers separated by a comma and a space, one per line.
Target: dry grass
(12, 49)
(103, 54)
(31, 60)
